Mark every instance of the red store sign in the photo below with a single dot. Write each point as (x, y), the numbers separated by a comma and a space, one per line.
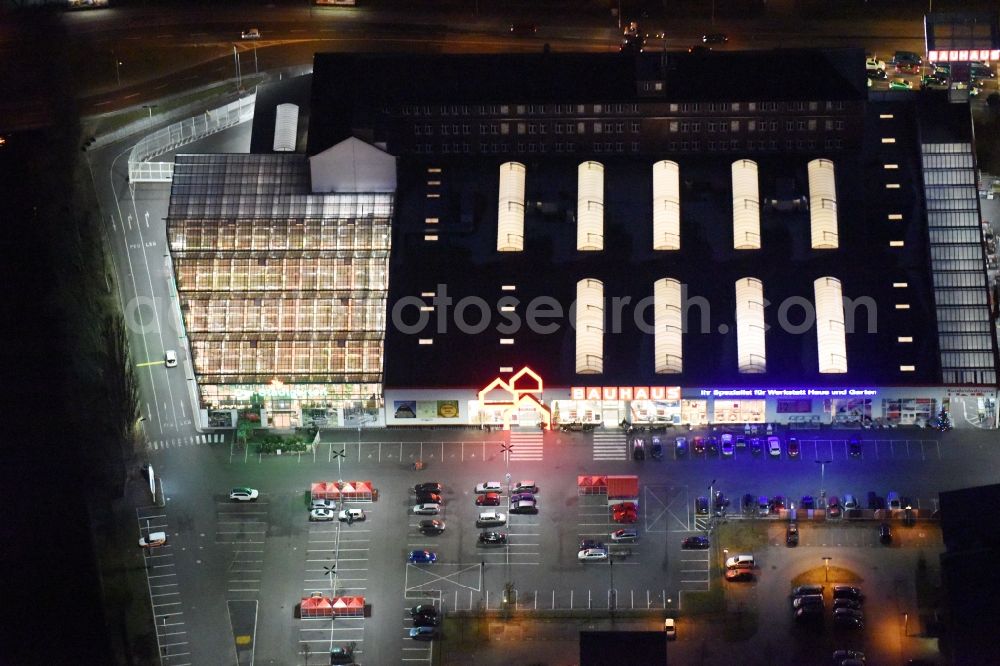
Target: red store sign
(625, 393)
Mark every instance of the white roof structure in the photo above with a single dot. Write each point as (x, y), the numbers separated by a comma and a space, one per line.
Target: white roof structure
(750, 326)
(830, 332)
(352, 166)
(590, 206)
(589, 327)
(286, 126)
(746, 206)
(668, 326)
(510, 211)
(666, 206)
(823, 205)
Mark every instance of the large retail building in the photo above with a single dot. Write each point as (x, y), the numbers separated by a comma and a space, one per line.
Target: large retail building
(689, 238)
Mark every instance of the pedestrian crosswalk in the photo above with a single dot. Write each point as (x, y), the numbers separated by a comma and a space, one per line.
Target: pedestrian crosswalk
(190, 440)
(610, 445)
(526, 445)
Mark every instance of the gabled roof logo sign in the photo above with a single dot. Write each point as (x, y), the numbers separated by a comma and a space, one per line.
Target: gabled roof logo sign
(523, 388)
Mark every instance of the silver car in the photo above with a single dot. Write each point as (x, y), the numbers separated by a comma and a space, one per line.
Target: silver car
(322, 514)
(428, 509)
(322, 504)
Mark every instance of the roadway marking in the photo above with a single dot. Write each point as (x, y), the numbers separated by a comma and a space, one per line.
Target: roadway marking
(143, 365)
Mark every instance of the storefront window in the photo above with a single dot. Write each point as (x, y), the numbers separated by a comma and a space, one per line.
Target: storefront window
(694, 412)
(739, 411)
(656, 411)
(582, 411)
(907, 411)
(848, 410)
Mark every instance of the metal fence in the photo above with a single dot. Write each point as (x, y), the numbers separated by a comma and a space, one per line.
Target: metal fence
(189, 130)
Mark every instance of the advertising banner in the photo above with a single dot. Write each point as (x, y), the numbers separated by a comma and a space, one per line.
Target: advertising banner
(447, 409)
(427, 409)
(405, 409)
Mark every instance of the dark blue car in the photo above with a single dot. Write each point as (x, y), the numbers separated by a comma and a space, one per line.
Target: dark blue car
(422, 557)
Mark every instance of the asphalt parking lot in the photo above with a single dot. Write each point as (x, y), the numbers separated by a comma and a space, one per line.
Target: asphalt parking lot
(273, 555)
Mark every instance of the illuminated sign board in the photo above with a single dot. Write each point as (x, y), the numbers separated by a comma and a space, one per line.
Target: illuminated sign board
(787, 393)
(625, 393)
(963, 55)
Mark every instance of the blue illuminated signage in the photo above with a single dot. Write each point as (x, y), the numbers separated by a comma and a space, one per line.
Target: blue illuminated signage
(787, 393)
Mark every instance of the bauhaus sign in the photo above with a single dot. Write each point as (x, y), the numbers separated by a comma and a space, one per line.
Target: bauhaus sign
(625, 392)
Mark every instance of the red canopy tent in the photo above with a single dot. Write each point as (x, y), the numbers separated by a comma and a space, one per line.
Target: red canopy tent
(349, 606)
(592, 485)
(316, 605)
(325, 490)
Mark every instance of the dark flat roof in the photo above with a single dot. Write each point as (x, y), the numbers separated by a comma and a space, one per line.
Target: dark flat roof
(465, 259)
(351, 90)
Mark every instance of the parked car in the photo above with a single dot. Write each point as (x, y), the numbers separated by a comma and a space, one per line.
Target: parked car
(322, 504)
(899, 83)
(429, 498)
(488, 518)
(657, 449)
(833, 507)
(720, 503)
(979, 70)
(872, 500)
(908, 57)
(522, 497)
(670, 628)
(774, 446)
(427, 509)
(741, 442)
(424, 609)
(250, 33)
(680, 447)
(793, 447)
(749, 503)
(524, 507)
(493, 539)
(728, 447)
(524, 487)
(874, 64)
(695, 543)
(243, 494)
(876, 75)
(316, 515)
(713, 445)
(432, 526)
(638, 449)
(422, 557)
(170, 358)
(847, 592)
(698, 445)
(740, 561)
(885, 534)
(342, 655)
(153, 540)
(429, 487)
(351, 515)
(755, 446)
(777, 503)
(792, 534)
(627, 517)
(808, 600)
(423, 633)
(739, 575)
(701, 506)
(853, 604)
(763, 506)
(426, 620)
(624, 536)
(893, 501)
(714, 38)
(849, 619)
(489, 487)
(850, 502)
(802, 590)
(488, 499)
(592, 555)
(808, 502)
(809, 613)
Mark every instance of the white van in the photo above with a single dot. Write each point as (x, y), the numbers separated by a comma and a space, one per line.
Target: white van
(170, 358)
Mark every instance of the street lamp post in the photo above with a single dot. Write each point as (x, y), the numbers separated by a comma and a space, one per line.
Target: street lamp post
(826, 564)
(711, 501)
(118, 64)
(236, 60)
(613, 599)
(822, 481)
